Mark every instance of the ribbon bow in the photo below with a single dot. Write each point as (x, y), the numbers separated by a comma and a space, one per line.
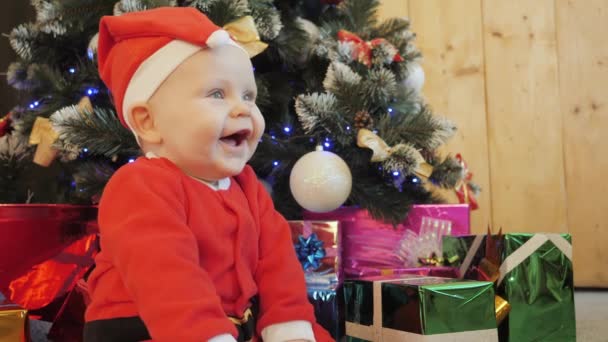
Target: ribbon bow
(381, 151)
(362, 50)
(44, 135)
(5, 123)
(464, 190)
(244, 33)
(310, 251)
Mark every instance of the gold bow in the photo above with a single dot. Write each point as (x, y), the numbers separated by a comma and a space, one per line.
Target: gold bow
(244, 33)
(44, 136)
(381, 151)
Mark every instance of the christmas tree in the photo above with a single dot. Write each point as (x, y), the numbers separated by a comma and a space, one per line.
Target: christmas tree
(332, 76)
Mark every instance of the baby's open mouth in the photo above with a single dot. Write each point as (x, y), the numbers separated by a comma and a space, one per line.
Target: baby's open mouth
(235, 139)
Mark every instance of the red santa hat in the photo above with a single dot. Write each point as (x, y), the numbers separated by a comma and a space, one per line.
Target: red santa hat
(137, 51)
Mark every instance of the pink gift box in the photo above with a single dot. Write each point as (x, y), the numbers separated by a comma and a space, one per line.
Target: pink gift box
(369, 243)
(441, 271)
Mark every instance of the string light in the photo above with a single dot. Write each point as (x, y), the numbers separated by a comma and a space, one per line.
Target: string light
(348, 128)
(85, 150)
(92, 91)
(275, 163)
(131, 160)
(287, 129)
(396, 173)
(34, 104)
(390, 110)
(72, 70)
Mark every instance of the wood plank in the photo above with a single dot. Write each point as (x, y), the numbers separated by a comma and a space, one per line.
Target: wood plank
(524, 119)
(453, 62)
(583, 71)
(393, 9)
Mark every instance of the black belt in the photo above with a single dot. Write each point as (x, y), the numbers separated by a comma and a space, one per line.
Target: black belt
(133, 329)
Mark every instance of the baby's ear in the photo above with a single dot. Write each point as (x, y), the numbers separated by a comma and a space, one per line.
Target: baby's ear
(142, 122)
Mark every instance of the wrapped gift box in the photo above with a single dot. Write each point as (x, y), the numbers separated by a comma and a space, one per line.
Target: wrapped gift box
(329, 310)
(436, 271)
(414, 308)
(534, 275)
(13, 323)
(317, 245)
(368, 243)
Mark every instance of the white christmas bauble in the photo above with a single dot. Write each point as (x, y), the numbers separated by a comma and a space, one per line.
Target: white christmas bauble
(92, 49)
(415, 77)
(320, 181)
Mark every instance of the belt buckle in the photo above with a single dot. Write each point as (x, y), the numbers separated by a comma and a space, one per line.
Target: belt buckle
(246, 316)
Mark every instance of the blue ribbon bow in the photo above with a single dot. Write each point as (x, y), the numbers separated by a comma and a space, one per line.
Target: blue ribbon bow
(310, 251)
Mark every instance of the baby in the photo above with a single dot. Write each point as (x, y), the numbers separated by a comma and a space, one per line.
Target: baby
(192, 248)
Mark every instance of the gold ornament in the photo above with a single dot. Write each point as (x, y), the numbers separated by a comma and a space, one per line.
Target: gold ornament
(44, 136)
(502, 308)
(244, 33)
(381, 151)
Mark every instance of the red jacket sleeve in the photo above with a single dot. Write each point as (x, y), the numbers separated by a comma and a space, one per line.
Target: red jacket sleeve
(279, 275)
(143, 228)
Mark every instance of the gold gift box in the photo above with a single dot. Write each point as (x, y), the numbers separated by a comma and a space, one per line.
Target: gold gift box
(13, 323)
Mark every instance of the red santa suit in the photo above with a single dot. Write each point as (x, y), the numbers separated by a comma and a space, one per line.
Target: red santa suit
(184, 257)
(178, 258)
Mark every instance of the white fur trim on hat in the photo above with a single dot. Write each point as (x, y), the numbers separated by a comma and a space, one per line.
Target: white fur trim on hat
(155, 69)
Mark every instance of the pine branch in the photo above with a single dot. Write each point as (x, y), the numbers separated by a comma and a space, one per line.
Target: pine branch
(404, 158)
(318, 115)
(126, 6)
(76, 129)
(267, 19)
(21, 76)
(420, 129)
(90, 178)
(380, 87)
(448, 173)
(221, 12)
(289, 45)
(22, 39)
(338, 76)
(347, 87)
(80, 16)
(361, 15)
(14, 154)
(390, 28)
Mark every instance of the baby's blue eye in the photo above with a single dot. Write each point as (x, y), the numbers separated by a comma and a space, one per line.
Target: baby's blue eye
(248, 97)
(217, 94)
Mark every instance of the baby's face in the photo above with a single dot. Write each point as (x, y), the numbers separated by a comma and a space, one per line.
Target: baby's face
(206, 114)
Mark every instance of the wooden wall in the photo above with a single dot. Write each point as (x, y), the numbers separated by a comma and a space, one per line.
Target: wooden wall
(527, 84)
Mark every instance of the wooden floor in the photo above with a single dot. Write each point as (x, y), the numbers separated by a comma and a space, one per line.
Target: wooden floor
(591, 315)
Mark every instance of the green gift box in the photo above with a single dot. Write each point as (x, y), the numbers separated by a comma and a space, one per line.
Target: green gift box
(419, 309)
(535, 277)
